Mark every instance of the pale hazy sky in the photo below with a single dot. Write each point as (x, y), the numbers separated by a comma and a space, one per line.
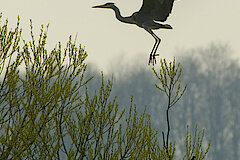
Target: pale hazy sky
(196, 23)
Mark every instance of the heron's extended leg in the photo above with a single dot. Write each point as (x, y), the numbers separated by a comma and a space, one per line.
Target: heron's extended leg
(152, 54)
(158, 40)
(152, 58)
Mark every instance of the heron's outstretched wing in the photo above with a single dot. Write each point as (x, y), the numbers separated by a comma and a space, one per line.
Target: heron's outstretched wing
(158, 10)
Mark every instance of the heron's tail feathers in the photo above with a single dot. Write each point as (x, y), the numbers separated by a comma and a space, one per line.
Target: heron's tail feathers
(166, 26)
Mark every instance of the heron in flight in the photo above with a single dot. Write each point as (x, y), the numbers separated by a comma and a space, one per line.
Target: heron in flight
(150, 12)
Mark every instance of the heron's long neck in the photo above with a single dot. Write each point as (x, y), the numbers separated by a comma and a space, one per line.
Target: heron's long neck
(121, 18)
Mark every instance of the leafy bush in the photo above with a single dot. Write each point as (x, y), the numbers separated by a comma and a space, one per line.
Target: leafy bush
(46, 111)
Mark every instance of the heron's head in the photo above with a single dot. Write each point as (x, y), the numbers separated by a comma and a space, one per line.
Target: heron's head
(107, 5)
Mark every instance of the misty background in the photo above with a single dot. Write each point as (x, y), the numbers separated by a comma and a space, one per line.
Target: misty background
(204, 40)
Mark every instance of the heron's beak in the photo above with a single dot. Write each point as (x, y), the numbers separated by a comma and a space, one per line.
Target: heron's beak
(101, 6)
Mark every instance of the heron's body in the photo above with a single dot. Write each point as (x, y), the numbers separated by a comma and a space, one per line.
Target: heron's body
(150, 12)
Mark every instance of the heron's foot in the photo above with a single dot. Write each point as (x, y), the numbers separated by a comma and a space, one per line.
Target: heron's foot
(152, 59)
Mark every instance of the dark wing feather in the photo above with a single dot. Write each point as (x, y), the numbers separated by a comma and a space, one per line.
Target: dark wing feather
(157, 10)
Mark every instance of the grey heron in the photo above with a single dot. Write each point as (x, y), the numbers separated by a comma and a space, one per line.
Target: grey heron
(150, 12)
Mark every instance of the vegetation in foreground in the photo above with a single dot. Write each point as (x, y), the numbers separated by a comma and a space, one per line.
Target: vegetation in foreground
(47, 112)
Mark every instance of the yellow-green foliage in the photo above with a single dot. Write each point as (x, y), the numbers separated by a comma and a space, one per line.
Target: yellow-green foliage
(169, 83)
(194, 145)
(46, 111)
(169, 79)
